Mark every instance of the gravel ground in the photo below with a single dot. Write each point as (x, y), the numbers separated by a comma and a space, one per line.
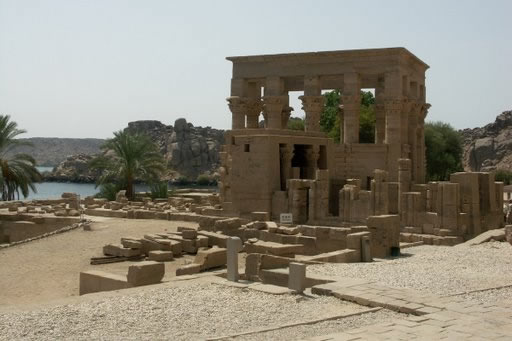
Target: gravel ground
(187, 312)
(325, 328)
(490, 296)
(439, 270)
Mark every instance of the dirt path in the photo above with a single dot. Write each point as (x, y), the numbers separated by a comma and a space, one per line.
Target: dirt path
(48, 269)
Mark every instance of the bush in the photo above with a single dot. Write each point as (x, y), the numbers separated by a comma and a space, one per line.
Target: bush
(181, 181)
(109, 191)
(203, 180)
(159, 190)
(504, 176)
(296, 123)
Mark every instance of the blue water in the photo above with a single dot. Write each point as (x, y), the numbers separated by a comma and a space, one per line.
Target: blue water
(54, 190)
(44, 169)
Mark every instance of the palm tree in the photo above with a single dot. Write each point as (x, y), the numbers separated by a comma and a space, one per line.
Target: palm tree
(126, 157)
(18, 172)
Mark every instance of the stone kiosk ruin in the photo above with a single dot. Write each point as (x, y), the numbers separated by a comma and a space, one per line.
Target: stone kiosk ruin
(269, 169)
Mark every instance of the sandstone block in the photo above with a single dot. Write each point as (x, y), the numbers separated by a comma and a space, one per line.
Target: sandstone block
(160, 256)
(96, 281)
(119, 251)
(211, 258)
(188, 269)
(144, 273)
(189, 234)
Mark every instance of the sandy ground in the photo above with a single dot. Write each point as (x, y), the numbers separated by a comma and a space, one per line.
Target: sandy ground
(48, 269)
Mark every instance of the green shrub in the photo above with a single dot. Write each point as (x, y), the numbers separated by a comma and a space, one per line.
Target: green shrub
(109, 191)
(182, 180)
(159, 190)
(203, 180)
(504, 176)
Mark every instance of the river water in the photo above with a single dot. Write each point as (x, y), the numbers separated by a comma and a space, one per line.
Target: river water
(54, 190)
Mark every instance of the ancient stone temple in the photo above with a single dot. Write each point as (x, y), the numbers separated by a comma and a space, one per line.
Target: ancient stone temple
(269, 168)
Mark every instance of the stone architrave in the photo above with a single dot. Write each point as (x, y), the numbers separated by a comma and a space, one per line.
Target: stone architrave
(238, 107)
(234, 246)
(313, 107)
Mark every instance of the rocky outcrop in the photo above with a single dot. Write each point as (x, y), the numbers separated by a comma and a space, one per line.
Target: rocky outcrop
(189, 151)
(489, 147)
(74, 169)
(51, 151)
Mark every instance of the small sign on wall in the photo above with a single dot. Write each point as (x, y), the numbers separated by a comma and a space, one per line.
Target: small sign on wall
(286, 218)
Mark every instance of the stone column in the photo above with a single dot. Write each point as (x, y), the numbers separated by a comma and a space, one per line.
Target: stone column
(312, 156)
(393, 108)
(274, 102)
(380, 122)
(273, 108)
(380, 113)
(286, 155)
(238, 107)
(420, 147)
(254, 107)
(413, 137)
(341, 115)
(313, 107)
(351, 99)
(285, 116)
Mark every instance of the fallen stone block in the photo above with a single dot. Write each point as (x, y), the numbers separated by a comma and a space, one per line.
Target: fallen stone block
(160, 256)
(273, 248)
(201, 241)
(508, 233)
(497, 235)
(188, 269)
(227, 224)
(340, 256)
(144, 273)
(215, 238)
(211, 258)
(131, 243)
(119, 251)
(96, 281)
(189, 234)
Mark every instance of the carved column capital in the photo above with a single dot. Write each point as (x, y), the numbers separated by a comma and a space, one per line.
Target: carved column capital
(237, 104)
(238, 107)
(272, 110)
(254, 106)
(313, 107)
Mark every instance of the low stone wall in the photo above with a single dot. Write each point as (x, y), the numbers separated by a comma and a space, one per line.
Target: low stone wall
(14, 231)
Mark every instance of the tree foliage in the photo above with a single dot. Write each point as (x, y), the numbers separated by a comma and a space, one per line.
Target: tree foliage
(127, 157)
(296, 123)
(18, 172)
(444, 151)
(504, 176)
(330, 122)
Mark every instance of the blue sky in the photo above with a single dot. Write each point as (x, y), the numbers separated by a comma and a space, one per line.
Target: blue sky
(71, 68)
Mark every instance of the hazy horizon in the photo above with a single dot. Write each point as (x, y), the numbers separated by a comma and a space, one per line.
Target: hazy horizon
(84, 69)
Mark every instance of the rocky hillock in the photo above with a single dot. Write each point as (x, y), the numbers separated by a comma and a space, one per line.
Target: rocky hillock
(74, 169)
(489, 147)
(50, 151)
(189, 151)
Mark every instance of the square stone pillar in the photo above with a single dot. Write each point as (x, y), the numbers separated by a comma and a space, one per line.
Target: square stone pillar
(351, 99)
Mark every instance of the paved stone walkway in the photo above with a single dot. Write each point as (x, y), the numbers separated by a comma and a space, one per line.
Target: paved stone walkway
(430, 317)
